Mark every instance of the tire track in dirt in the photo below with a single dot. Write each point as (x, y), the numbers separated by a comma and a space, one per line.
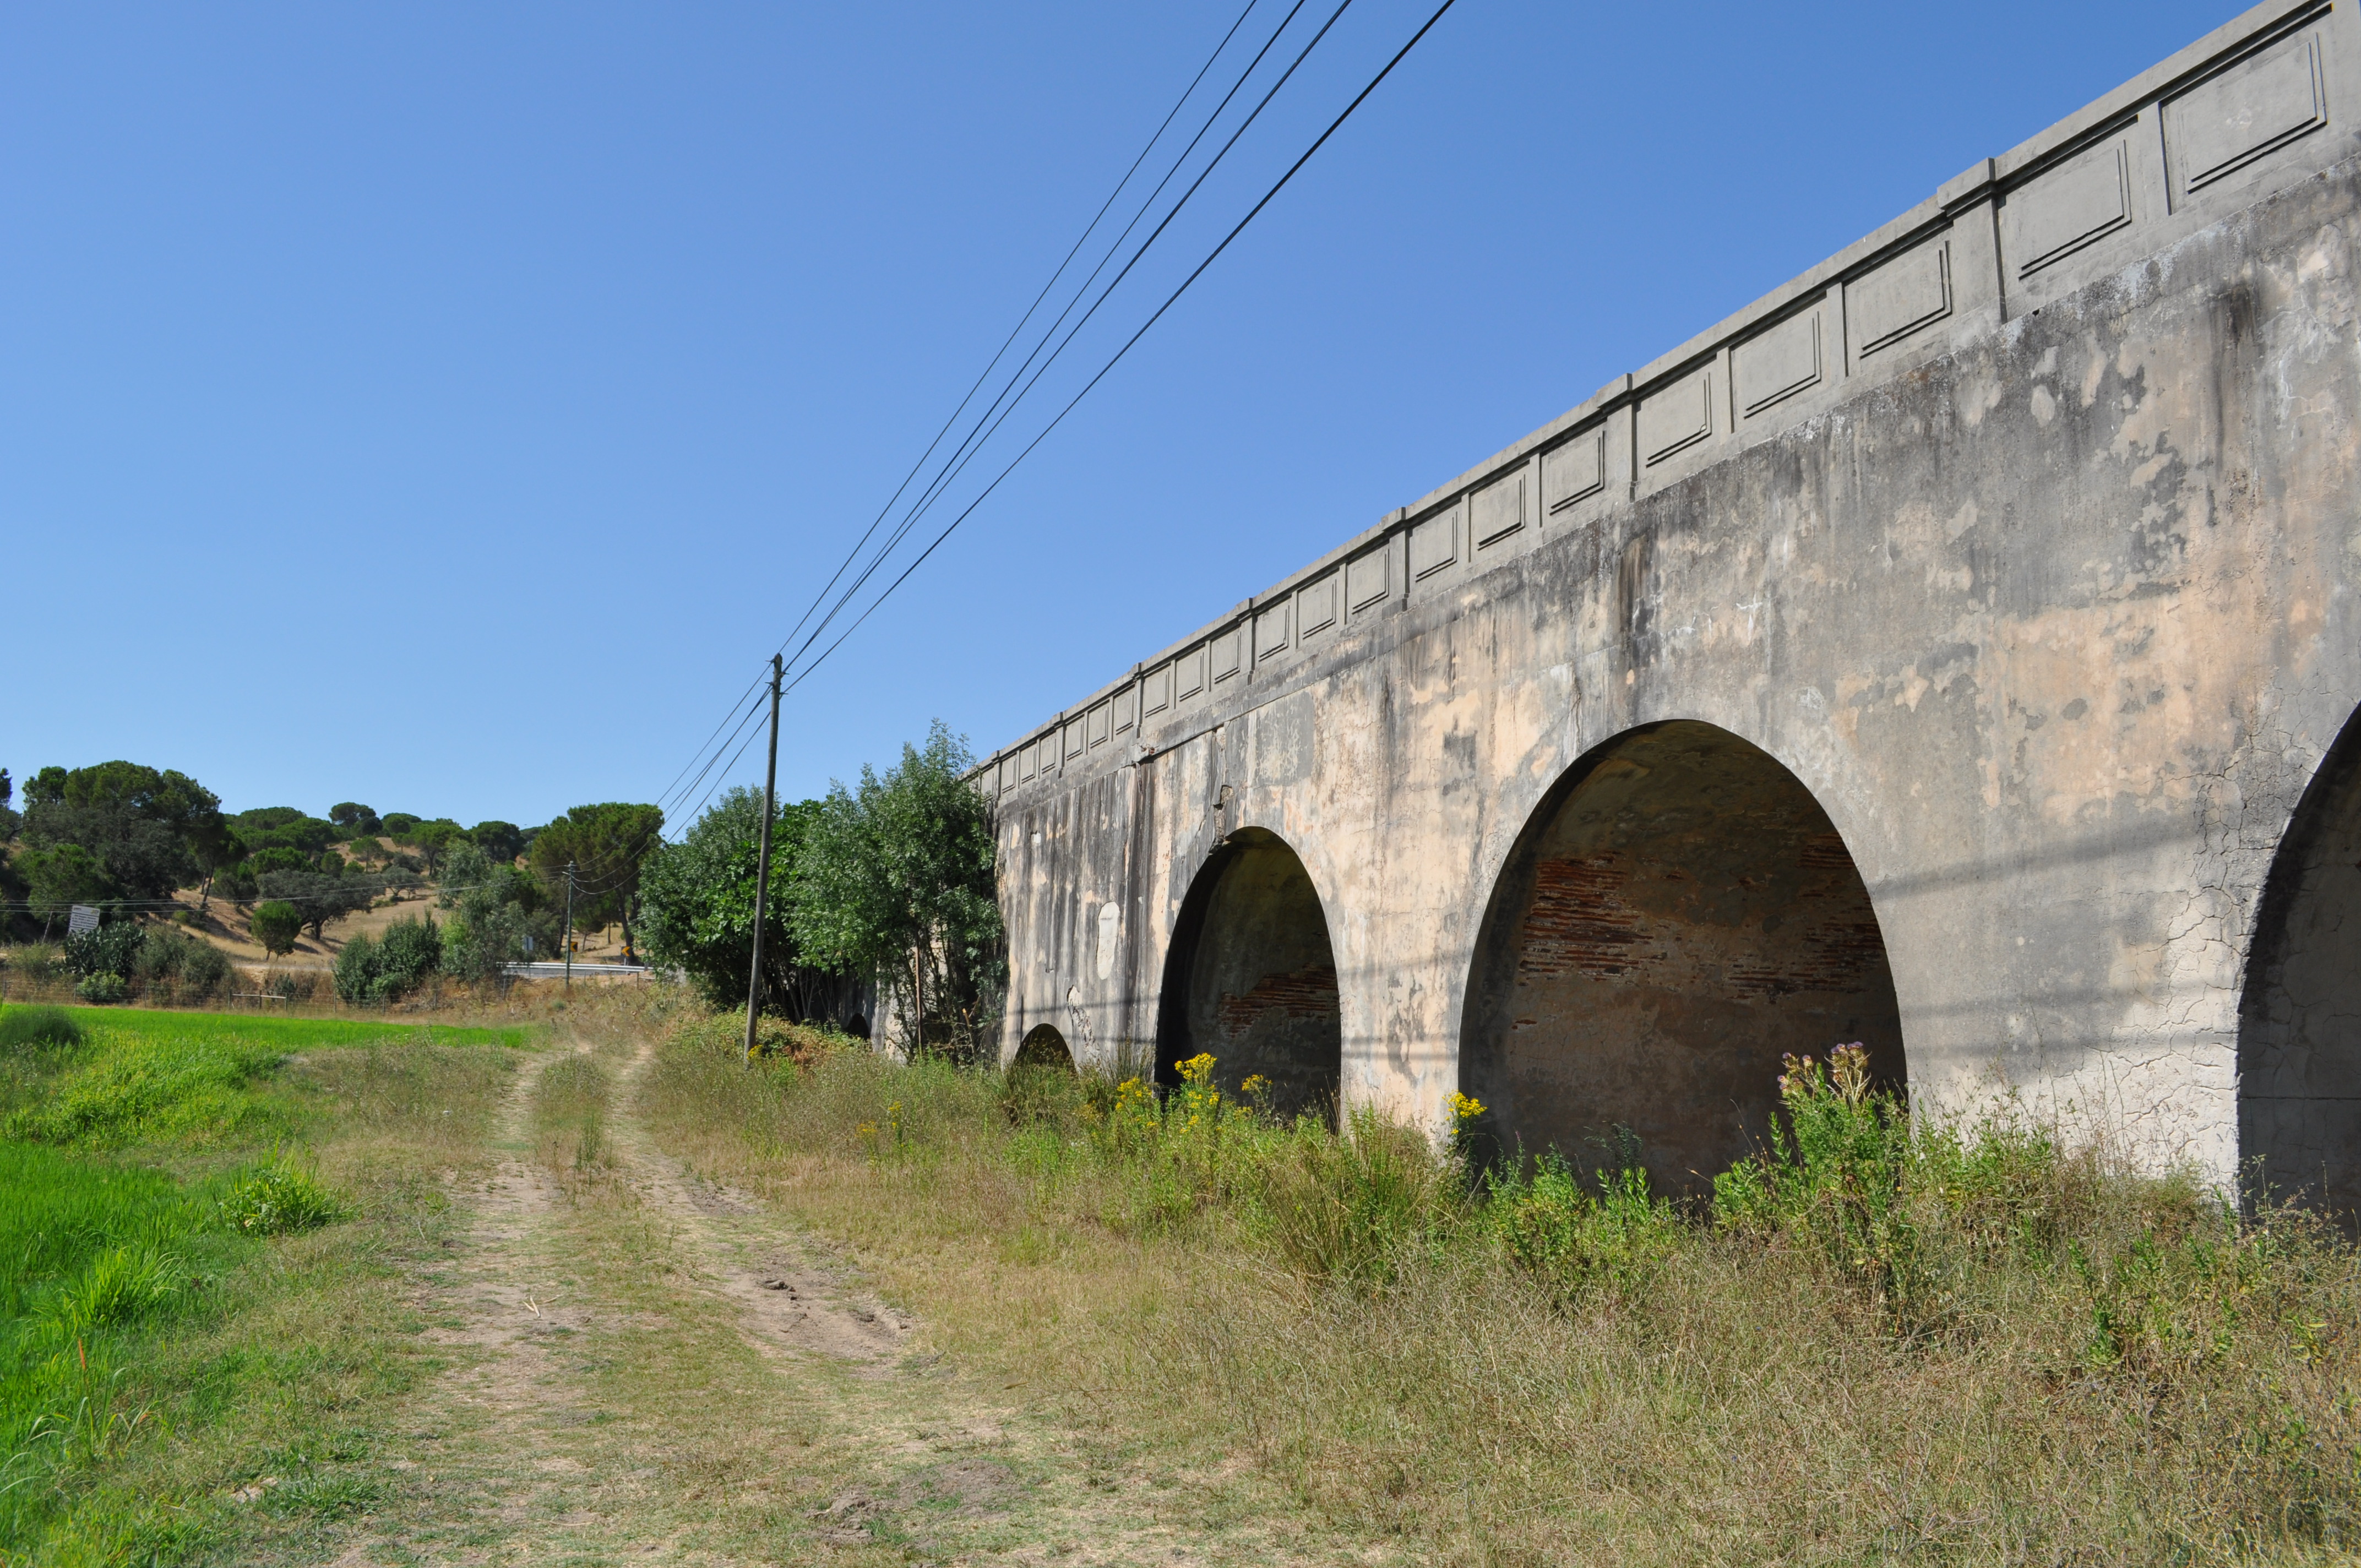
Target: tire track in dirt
(861, 1449)
(788, 1298)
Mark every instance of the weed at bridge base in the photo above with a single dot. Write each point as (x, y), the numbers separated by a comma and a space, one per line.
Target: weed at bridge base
(1964, 1343)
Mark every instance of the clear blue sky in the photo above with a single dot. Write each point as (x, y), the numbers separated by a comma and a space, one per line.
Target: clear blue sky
(450, 407)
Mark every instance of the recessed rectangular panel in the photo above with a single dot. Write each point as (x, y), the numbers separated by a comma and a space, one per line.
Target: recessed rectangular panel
(1189, 675)
(1906, 295)
(1102, 723)
(1073, 738)
(1270, 630)
(1575, 471)
(1003, 775)
(1127, 709)
(1369, 579)
(1434, 543)
(1773, 366)
(1315, 606)
(1156, 692)
(2073, 205)
(1497, 510)
(2256, 107)
(1676, 418)
(1225, 651)
(1025, 758)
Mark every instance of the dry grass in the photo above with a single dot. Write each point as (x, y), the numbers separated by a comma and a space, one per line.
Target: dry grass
(2101, 1370)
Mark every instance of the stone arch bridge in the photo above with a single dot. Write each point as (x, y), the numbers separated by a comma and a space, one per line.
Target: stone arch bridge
(1955, 651)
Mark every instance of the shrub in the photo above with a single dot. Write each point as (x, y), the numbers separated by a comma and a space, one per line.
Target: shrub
(410, 951)
(182, 968)
(276, 924)
(1346, 1209)
(1833, 1175)
(357, 966)
(1571, 1238)
(37, 963)
(292, 985)
(102, 989)
(112, 949)
(277, 1198)
(22, 1026)
(374, 971)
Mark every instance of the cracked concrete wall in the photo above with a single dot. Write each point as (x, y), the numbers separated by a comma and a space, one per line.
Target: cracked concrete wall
(2300, 1026)
(2053, 621)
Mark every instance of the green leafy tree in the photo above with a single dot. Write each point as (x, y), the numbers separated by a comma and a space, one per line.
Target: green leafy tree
(607, 845)
(501, 842)
(60, 876)
(9, 820)
(492, 908)
(398, 823)
(152, 830)
(282, 828)
(354, 819)
(434, 839)
(320, 896)
(696, 910)
(896, 878)
(276, 925)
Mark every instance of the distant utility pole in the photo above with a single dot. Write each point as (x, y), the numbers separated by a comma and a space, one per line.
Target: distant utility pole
(570, 927)
(763, 864)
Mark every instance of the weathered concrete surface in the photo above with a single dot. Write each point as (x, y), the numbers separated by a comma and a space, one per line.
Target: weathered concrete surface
(2021, 535)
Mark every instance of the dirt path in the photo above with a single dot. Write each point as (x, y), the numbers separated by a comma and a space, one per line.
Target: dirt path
(649, 1367)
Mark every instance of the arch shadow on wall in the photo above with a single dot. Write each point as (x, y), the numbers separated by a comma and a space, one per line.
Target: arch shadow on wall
(1678, 914)
(1250, 977)
(2300, 1007)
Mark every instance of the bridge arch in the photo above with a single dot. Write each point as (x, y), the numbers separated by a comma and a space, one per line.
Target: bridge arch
(1043, 1047)
(1250, 977)
(2300, 1006)
(1677, 913)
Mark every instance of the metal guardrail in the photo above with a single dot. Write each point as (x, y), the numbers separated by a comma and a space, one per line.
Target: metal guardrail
(549, 970)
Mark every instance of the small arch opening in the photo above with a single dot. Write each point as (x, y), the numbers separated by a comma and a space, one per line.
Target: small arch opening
(2300, 1008)
(1044, 1048)
(1678, 914)
(1251, 978)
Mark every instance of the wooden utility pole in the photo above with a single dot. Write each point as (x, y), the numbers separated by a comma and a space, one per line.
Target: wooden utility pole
(763, 864)
(570, 927)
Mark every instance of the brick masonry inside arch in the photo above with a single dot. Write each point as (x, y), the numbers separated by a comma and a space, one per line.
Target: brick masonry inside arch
(1254, 977)
(1678, 915)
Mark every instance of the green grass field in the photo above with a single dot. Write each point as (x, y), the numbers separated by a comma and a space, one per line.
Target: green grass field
(200, 1218)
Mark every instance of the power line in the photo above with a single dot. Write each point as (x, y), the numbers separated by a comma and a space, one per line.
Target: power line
(982, 432)
(995, 415)
(1079, 240)
(1117, 358)
(711, 752)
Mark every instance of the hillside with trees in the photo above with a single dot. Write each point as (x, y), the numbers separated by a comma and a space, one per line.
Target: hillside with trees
(185, 889)
(883, 901)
